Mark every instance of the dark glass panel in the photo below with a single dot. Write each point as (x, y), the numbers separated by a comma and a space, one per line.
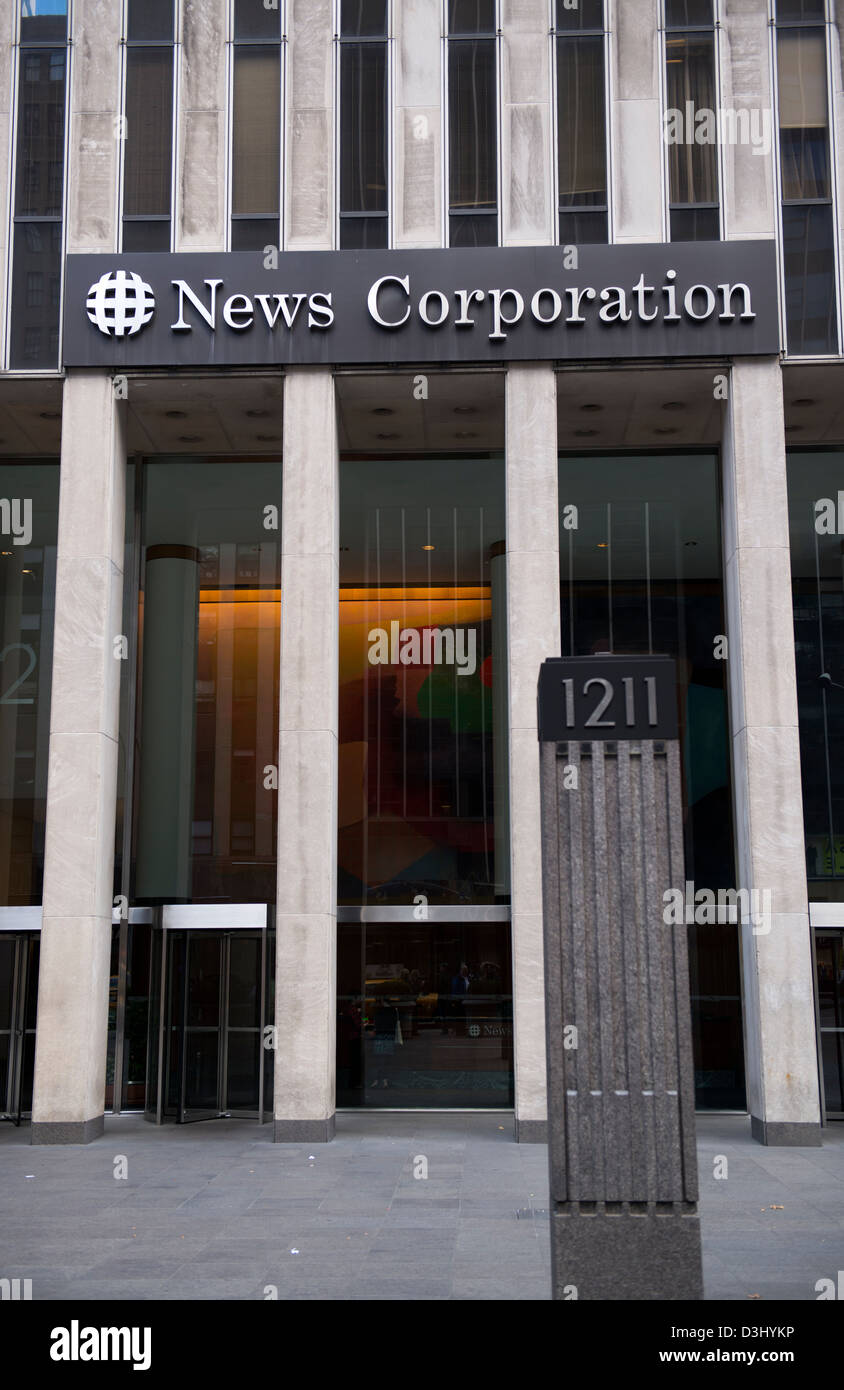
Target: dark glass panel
(363, 17)
(583, 14)
(818, 601)
(800, 10)
(149, 131)
(685, 14)
(30, 493)
(43, 21)
(36, 293)
(254, 233)
(583, 228)
(420, 752)
(150, 20)
(809, 265)
(206, 821)
(581, 122)
(146, 236)
(472, 145)
(693, 167)
(471, 16)
(643, 573)
(477, 229)
(39, 181)
(804, 142)
(695, 224)
(252, 21)
(256, 135)
(425, 1015)
(363, 233)
(363, 126)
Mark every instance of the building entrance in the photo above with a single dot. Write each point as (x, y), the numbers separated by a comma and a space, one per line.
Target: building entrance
(211, 997)
(829, 951)
(18, 1001)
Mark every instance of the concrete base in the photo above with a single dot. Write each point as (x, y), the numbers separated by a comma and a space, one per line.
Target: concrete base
(625, 1256)
(67, 1131)
(530, 1131)
(786, 1134)
(303, 1131)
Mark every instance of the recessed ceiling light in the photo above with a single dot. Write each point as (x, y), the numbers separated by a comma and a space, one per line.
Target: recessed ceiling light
(429, 547)
(465, 434)
(5, 552)
(50, 414)
(591, 406)
(603, 545)
(382, 410)
(176, 414)
(465, 410)
(584, 434)
(256, 414)
(268, 438)
(690, 542)
(804, 401)
(674, 405)
(190, 438)
(666, 429)
(392, 435)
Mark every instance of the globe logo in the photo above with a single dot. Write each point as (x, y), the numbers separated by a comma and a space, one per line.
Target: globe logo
(120, 303)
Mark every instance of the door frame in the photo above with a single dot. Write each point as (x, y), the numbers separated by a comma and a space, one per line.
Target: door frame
(21, 944)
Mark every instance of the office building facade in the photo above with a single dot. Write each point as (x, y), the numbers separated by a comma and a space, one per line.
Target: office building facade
(357, 355)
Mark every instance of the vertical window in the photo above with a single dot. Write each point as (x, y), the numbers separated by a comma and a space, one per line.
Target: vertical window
(256, 127)
(806, 184)
(148, 125)
(39, 185)
(581, 123)
(472, 123)
(691, 121)
(364, 214)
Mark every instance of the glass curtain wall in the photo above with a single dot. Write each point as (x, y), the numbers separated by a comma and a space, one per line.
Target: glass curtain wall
(806, 178)
(691, 127)
(256, 127)
(424, 963)
(148, 125)
(472, 123)
(210, 604)
(39, 186)
(581, 123)
(364, 124)
(816, 524)
(640, 573)
(29, 507)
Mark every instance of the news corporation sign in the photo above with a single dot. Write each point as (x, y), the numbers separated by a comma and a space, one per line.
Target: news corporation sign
(492, 304)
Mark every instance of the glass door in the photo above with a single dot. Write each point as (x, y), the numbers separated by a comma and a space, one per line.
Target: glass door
(829, 947)
(18, 1002)
(208, 1001)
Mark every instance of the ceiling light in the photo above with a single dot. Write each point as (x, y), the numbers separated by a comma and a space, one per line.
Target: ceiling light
(465, 410)
(190, 438)
(465, 434)
(591, 407)
(383, 410)
(50, 414)
(256, 414)
(428, 547)
(584, 434)
(674, 405)
(176, 414)
(804, 401)
(268, 438)
(666, 429)
(393, 435)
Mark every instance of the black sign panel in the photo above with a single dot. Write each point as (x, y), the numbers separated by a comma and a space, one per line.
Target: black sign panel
(491, 304)
(607, 697)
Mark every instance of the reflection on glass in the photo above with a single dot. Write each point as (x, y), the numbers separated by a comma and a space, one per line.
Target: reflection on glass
(829, 947)
(425, 1015)
(642, 574)
(29, 501)
(420, 670)
(693, 166)
(210, 621)
(581, 124)
(256, 130)
(473, 175)
(814, 481)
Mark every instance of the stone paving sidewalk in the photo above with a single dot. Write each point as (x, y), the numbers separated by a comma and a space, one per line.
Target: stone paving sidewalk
(216, 1211)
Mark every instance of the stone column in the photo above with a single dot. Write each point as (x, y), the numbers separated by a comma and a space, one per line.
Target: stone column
(636, 122)
(526, 182)
(202, 128)
(309, 164)
(306, 915)
(533, 620)
(748, 176)
(95, 127)
(418, 123)
(779, 1029)
(70, 1049)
